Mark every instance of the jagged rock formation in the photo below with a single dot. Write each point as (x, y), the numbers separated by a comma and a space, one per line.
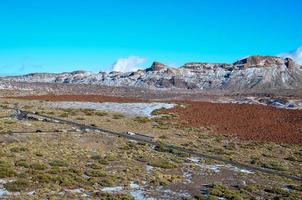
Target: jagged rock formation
(251, 73)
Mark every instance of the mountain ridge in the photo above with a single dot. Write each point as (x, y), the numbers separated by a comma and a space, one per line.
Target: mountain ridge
(260, 72)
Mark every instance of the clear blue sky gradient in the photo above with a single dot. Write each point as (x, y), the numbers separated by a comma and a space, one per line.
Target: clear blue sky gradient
(63, 35)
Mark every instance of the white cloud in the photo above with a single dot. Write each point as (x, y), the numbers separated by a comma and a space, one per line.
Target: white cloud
(132, 63)
(296, 55)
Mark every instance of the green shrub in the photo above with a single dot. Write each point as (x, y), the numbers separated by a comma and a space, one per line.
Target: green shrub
(22, 163)
(97, 157)
(59, 163)
(95, 166)
(95, 173)
(17, 186)
(111, 196)
(220, 190)
(64, 115)
(9, 122)
(277, 190)
(80, 118)
(42, 178)
(18, 149)
(38, 166)
(107, 182)
(27, 107)
(74, 171)
(66, 181)
(163, 164)
(157, 112)
(6, 170)
(22, 175)
(275, 166)
(118, 116)
(163, 137)
(142, 119)
(111, 157)
(100, 159)
(39, 154)
(162, 147)
(88, 112)
(293, 158)
(101, 113)
(55, 170)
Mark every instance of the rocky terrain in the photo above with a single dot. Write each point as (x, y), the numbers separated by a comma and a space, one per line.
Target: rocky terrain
(253, 73)
(48, 158)
(200, 131)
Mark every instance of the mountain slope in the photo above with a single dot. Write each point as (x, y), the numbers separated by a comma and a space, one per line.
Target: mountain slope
(252, 73)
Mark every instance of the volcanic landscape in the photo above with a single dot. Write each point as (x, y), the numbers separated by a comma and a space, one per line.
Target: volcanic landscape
(200, 131)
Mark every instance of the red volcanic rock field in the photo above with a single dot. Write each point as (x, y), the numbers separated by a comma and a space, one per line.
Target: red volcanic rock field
(249, 122)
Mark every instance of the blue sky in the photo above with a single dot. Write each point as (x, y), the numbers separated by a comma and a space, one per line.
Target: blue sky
(56, 36)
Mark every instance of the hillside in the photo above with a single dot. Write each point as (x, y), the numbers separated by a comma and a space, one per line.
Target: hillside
(251, 73)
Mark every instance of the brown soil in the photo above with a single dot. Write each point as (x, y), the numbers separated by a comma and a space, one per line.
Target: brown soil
(86, 98)
(250, 122)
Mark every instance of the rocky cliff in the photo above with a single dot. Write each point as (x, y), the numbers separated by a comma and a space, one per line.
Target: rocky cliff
(251, 73)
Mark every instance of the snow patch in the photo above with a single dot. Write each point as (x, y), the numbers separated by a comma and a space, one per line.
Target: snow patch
(112, 189)
(4, 192)
(136, 109)
(149, 168)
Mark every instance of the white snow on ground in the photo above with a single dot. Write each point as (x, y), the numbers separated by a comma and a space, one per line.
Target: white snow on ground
(149, 168)
(140, 195)
(134, 185)
(4, 192)
(216, 168)
(136, 109)
(112, 189)
(137, 193)
(195, 159)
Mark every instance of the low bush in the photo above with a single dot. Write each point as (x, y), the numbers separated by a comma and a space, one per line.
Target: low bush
(17, 186)
(22, 163)
(95, 173)
(163, 164)
(38, 166)
(59, 163)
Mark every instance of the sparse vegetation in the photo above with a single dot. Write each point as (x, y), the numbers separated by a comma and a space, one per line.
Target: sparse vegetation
(59, 163)
(17, 186)
(95, 173)
(117, 116)
(38, 166)
(163, 164)
(142, 119)
(100, 114)
(220, 190)
(18, 149)
(6, 170)
(63, 162)
(22, 163)
(65, 114)
(275, 166)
